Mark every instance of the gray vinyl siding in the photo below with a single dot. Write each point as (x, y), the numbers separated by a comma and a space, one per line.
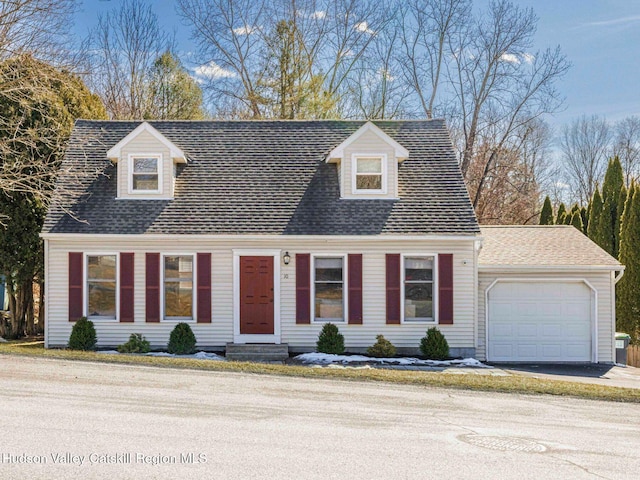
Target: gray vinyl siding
(461, 334)
(602, 281)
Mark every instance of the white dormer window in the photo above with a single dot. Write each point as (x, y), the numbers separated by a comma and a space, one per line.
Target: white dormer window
(370, 174)
(145, 173)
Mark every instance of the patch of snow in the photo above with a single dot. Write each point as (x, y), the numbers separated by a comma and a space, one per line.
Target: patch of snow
(109, 352)
(315, 358)
(2, 340)
(198, 355)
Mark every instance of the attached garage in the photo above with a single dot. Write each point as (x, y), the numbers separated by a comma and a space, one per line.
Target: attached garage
(546, 294)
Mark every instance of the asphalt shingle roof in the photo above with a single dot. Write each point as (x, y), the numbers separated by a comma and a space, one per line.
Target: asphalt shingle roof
(548, 246)
(265, 177)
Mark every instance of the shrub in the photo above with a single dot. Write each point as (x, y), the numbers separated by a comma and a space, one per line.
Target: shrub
(83, 335)
(383, 348)
(434, 346)
(330, 340)
(136, 344)
(182, 341)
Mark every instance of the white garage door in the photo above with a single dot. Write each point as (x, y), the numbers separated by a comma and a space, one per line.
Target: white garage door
(540, 322)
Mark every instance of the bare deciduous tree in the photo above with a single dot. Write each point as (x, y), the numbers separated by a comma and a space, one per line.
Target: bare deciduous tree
(627, 146)
(125, 45)
(585, 145)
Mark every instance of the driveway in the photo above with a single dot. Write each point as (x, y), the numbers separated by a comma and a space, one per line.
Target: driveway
(78, 420)
(610, 375)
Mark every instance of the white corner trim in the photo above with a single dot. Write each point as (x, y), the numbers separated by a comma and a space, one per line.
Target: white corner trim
(176, 153)
(594, 310)
(401, 153)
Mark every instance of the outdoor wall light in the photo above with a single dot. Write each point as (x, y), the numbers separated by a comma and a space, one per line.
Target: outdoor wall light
(286, 258)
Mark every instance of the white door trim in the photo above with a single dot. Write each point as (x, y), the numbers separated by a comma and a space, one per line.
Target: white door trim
(237, 336)
(594, 309)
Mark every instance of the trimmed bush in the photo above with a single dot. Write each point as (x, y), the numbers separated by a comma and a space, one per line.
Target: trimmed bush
(83, 335)
(434, 346)
(136, 344)
(383, 348)
(182, 341)
(330, 340)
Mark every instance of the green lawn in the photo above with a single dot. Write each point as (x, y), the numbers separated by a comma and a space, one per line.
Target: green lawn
(507, 384)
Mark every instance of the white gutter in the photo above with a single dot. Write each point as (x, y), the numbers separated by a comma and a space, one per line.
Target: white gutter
(618, 276)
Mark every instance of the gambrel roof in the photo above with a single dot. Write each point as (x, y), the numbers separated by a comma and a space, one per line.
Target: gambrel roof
(263, 177)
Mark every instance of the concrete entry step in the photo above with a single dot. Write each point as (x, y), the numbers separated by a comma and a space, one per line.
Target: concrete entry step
(257, 352)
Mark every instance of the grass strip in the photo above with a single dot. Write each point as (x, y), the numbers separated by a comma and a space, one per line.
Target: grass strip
(488, 383)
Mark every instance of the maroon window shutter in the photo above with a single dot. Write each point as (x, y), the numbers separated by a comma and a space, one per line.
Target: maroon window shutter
(126, 287)
(76, 280)
(152, 287)
(445, 288)
(204, 287)
(393, 288)
(355, 289)
(303, 288)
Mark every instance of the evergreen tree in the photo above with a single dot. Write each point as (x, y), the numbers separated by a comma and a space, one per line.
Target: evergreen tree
(628, 289)
(594, 214)
(607, 235)
(567, 218)
(576, 220)
(622, 199)
(546, 215)
(585, 219)
(562, 213)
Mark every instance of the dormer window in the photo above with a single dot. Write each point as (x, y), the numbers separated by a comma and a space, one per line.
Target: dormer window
(145, 173)
(370, 174)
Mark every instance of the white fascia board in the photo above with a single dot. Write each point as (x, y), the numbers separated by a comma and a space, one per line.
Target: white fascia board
(175, 152)
(547, 268)
(82, 237)
(401, 153)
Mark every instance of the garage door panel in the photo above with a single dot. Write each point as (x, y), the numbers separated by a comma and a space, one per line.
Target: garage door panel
(540, 321)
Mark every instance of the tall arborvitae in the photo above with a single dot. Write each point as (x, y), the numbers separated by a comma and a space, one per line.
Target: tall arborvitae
(567, 218)
(576, 220)
(585, 219)
(594, 214)
(546, 215)
(562, 213)
(607, 236)
(628, 289)
(622, 199)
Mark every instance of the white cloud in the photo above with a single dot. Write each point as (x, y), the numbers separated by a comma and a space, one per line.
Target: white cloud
(245, 30)
(363, 27)
(561, 185)
(510, 58)
(528, 58)
(211, 71)
(319, 15)
(614, 22)
(386, 74)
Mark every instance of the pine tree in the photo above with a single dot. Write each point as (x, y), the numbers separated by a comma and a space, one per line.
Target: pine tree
(562, 213)
(594, 214)
(585, 219)
(628, 289)
(607, 236)
(546, 215)
(576, 220)
(622, 199)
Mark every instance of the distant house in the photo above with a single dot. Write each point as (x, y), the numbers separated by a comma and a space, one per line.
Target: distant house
(261, 232)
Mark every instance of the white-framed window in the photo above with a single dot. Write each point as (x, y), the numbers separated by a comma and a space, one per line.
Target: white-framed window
(419, 288)
(329, 289)
(145, 173)
(101, 286)
(177, 287)
(369, 173)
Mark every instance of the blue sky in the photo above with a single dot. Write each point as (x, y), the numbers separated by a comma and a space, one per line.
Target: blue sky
(601, 38)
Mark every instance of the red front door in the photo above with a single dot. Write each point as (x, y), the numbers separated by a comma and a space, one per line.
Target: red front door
(256, 295)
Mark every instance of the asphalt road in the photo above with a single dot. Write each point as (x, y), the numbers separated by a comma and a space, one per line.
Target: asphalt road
(165, 424)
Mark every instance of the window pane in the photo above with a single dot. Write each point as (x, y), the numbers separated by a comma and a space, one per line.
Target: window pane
(178, 297)
(418, 301)
(329, 269)
(102, 299)
(145, 182)
(369, 165)
(418, 269)
(178, 267)
(102, 267)
(145, 165)
(329, 301)
(369, 182)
